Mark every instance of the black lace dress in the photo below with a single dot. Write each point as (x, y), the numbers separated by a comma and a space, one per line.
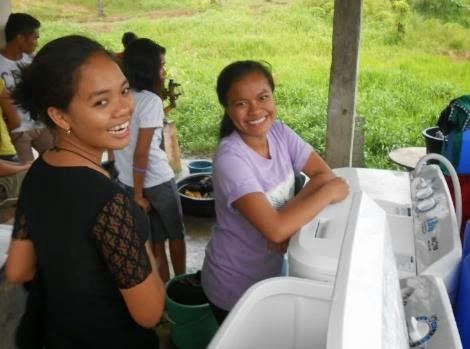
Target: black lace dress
(89, 240)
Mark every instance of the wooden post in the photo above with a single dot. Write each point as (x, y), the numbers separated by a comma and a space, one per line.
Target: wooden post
(171, 145)
(101, 8)
(5, 10)
(343, 82)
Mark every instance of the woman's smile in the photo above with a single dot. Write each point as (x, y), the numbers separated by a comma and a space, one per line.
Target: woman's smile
(121, 130)
(257, 121)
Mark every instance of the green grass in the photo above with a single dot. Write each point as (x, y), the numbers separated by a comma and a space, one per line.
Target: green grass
(405, 81)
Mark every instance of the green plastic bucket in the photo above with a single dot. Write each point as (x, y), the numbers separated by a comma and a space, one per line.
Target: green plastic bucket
(193, 325)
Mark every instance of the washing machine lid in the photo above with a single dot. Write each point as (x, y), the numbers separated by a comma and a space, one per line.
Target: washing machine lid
(370, 309)
(390, 189)
(314, 251)
(367, 310)
(5, 237)
(423, 225)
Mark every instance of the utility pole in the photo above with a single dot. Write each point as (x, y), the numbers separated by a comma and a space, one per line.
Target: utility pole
(343, 82)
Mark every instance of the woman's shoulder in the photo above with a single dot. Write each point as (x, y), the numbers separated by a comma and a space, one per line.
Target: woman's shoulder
(147, 104)
(77, 175)
(230, 144)
(282, 132)
(62, 185)
(279, 127)
(147, 96)
(233, 154)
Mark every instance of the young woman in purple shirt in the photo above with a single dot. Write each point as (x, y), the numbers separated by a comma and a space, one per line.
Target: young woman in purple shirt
(254, 170)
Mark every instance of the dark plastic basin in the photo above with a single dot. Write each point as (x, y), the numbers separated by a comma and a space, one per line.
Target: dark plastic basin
(433, 141)
(199, 207)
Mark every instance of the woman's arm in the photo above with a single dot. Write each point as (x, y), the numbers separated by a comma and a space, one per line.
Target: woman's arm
(131, 264)
(146, 301)
(12, 119)
(21, 262)
(169, 108)
(318, 173)
(277, 226)
(9, 168)
(141, 159)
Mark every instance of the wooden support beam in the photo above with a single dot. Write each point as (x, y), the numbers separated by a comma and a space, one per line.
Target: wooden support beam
(343, 82)
(5, 10)
(171, 145)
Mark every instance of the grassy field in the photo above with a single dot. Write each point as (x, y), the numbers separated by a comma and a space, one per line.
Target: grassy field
(407, 76)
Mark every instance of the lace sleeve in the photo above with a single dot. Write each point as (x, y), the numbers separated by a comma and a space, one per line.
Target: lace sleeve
(20, 231)
(120, 243)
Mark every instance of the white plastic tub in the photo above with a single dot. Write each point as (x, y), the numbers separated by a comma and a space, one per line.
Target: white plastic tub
(5, 237)
(270, 313)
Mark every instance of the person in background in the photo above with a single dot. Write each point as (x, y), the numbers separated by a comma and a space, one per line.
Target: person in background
(94, 279)
(11, 177)
(143, 166)
(8, 116)
(21, 34)
(161, 91)
(126, 39)
(11, 172)
(254, 168)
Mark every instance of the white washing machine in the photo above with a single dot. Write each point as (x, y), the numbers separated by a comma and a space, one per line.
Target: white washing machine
(5, 237)
(420, 216)
(365, 307)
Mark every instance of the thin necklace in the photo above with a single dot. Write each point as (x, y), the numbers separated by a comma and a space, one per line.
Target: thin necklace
(78, 154)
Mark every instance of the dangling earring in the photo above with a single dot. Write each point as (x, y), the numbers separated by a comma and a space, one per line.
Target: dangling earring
(68, 131)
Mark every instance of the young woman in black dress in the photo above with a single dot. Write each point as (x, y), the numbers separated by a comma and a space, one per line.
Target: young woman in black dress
(76, 233)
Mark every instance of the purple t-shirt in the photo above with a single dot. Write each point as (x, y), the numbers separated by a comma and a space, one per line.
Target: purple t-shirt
(237, 255)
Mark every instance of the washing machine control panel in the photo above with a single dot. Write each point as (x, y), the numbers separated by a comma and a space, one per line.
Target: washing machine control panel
(434, 221)
(428, 313)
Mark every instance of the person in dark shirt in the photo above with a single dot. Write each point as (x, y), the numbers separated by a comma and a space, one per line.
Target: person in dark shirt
(77, 235)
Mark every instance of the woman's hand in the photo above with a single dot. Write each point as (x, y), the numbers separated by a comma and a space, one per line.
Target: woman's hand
(280, 247)
(278, 225)
(337, 188)
(142, 202)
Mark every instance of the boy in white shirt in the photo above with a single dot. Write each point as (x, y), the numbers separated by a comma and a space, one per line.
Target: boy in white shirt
(22, 34)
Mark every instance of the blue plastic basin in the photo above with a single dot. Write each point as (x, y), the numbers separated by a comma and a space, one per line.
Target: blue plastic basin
(198, 166)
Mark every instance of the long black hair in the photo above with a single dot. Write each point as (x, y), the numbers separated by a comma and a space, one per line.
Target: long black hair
(231, 74)
(51, 79)
(141, 64)
(127, 38)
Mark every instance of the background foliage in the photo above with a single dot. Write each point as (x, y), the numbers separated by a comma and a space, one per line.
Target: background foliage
(414, 58)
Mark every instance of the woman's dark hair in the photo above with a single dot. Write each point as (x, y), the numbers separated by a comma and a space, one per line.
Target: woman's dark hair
(127, 38)
(51, 79)
(20, 23)
(231, 74)
(141, 64)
